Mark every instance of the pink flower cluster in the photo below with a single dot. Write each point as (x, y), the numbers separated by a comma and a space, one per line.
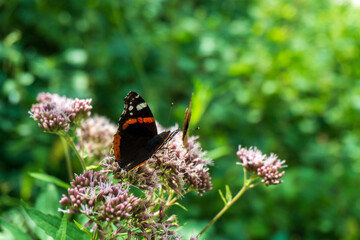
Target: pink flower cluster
(265, 167)
(94, 194)
(95, 138)
(55, 113)
(175, 166)
(105, 202)
(194, 167)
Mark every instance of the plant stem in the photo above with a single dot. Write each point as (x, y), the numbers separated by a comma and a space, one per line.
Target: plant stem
(171, 200)
(170, 197)
(169, 203)
(67, 157)
(246, 186)
(71, 143)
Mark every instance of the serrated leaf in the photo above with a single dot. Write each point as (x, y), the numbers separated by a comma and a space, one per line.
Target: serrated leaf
(50, 225)
(228, 194)
(222, 197)
(51, 179)
(183, 207)
(16, 232)
(82, 228)
(61, 233)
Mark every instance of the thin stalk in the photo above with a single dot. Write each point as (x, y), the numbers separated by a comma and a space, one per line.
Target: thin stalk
(169, 203)
(71, 143)
(172, 200)
(67, 157)
(246, 186)
(170, 197)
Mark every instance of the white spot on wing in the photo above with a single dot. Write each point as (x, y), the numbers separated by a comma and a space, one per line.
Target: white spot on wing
(131, 113)
(131, 108)
(141, 106)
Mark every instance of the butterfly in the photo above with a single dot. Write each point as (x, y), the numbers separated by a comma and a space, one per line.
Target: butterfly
(137, 138)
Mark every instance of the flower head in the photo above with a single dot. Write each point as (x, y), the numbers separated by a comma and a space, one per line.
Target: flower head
(105, 202)
(55, 113)
(187, 164)
(173, 167)
(264, 167)
(95, 137)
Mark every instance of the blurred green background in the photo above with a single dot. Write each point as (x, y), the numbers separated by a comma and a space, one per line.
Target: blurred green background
(280, 75)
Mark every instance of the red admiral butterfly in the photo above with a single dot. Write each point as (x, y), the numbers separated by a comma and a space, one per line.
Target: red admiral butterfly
(137, 139)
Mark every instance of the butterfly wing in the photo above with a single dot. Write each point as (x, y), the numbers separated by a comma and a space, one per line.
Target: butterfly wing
(152, 146)
(136, 139)
(136, 128)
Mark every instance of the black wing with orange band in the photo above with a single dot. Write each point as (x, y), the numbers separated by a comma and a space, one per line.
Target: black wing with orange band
(136, 139)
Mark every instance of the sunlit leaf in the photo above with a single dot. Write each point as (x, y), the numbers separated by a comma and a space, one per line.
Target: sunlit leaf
(228, 193)
(222, 197)
(183, 207)
(51, 179)
(218, 152)
(91, 167)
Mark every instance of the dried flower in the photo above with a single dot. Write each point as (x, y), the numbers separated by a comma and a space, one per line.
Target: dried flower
(95, 137)
(55, 113)
(265, 167)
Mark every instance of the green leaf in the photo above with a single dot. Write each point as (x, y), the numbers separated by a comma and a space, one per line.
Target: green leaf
(218, 152)
(183, 207)
(92, 167)
(203, 95)
(50, 224)
(228, 194)
(51, 179)
(222, 197)
(16, 232)
(47, 200)
(61, 233)
(82, 228)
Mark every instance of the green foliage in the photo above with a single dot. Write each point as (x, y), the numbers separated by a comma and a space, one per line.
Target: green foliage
(16, 232)
(228, 196)
(50, 179)
(61, 232)
(82, 228)
(55, 226)
(281, 75)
